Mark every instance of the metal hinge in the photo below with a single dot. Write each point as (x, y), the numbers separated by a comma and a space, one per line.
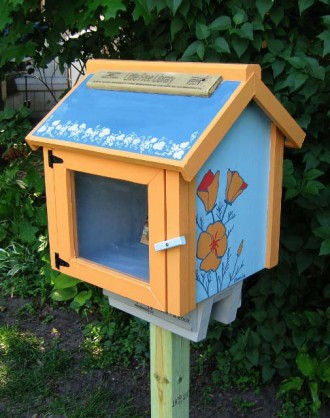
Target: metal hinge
(59, 262)
(52, 159)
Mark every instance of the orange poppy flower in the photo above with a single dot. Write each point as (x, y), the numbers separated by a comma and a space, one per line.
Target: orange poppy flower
(235, 186)
(207, 190)
(212, 246)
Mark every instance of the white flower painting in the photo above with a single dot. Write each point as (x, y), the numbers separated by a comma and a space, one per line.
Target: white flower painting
(103, 136)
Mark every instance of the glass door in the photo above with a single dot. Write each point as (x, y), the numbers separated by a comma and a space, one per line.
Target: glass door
(109, 215)
(111, 223)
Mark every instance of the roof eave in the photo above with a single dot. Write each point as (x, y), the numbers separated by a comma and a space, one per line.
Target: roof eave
(279, 115)
(252, 89)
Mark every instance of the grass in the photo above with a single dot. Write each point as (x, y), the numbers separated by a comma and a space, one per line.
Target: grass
(45, 381)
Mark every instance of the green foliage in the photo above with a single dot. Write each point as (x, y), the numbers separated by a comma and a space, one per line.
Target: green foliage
(21, 272)
(22, 210)
(282, 328)
(116, 338)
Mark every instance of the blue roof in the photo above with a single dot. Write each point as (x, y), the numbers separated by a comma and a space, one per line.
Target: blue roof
(159, 125)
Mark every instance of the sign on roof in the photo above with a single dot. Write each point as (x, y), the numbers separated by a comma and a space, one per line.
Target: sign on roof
(200, 85)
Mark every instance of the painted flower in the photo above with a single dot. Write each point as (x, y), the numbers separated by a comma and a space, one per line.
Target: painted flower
(159, 145)
(211, 246)
(207, 190)
(235, 186)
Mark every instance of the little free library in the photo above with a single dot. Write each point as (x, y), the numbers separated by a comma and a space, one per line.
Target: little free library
(164, 179)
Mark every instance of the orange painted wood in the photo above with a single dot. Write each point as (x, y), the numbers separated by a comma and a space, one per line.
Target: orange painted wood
(227, 71)
(65, 229)
(116, 282)
(152, 293)
(279, 115)
(274, 198)
(106, 153)
(180, 221)
(217, 129)
(51, 208)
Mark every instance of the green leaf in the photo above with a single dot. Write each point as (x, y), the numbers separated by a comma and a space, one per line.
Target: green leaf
(313, 174)
(325, 37)
(322, 232)
(176, 25)
(27, 232)
(141, 10)
(281, 363)
(296, 80)
(277, 345)
(304, 120)
(275, 46)
(315, 318)
(63, 281)
(221, 45)
(325, 247)
(314, 68)
(326, 20)
(304, 260)
(202, 31)
(306, 364)
(221, 23)
(313, 187)
(323, 217)
(61, 295)
(259, 315)
(192, 50)
(112, 8)
(253, 356)
(267, 373)
(277, 15)
(82, 297)
(310, 88)
(299, 339)
(297, 62)
(278, 67)
(173, 5)
(266, 333)
(239, 18)
(314, 388)
(293, 383)
(200, 51)
(324, 370)
(263, 6)
(184, 9)
(240, 46)
(304, 5)
(247, 31)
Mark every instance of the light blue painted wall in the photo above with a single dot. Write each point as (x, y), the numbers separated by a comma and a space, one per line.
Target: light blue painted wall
(245, 149)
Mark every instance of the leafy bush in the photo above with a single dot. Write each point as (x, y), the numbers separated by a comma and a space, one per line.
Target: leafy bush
(22, 210)
(285, 314)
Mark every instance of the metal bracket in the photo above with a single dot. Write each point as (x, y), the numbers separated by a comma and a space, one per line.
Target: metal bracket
(52, 159)
(170, 243)
(59, 262)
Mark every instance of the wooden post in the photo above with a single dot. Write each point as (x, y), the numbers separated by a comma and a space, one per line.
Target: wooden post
(169, 374)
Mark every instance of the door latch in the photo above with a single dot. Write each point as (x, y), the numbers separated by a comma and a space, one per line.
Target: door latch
(170, 243)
